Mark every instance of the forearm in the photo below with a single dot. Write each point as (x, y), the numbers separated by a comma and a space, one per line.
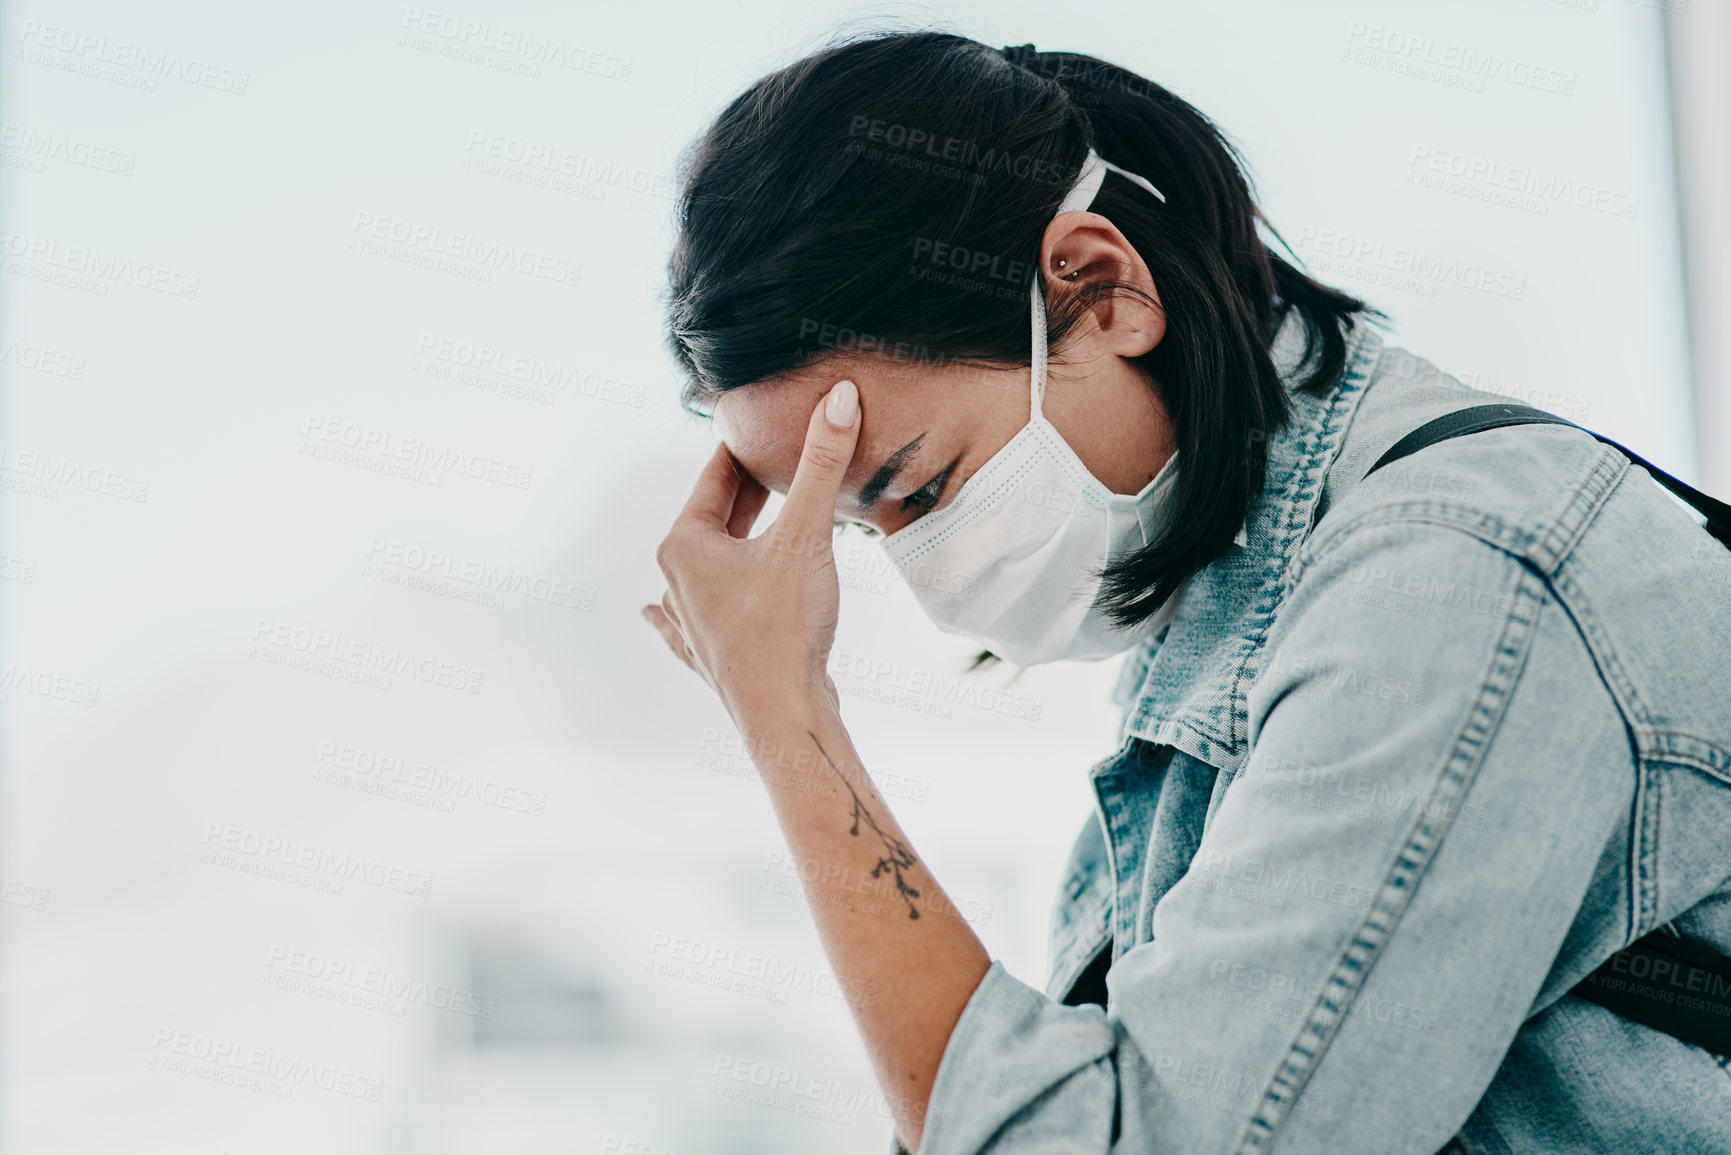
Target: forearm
(889, 931)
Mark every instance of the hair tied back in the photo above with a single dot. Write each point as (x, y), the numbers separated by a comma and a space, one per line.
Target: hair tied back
(1022, 54)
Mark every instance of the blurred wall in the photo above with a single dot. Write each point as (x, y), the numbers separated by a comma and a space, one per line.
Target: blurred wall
(1698, 55)
(346, 803)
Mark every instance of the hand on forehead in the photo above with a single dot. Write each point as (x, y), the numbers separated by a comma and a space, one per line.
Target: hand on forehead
(915, 422)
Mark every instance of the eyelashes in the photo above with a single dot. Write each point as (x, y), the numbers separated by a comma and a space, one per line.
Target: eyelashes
(923, 499)
(920, 502)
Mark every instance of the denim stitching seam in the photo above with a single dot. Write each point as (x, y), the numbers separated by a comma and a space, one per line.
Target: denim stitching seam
(1307, 481)
(1396, 891)
(1181, 727)
(1652, 802)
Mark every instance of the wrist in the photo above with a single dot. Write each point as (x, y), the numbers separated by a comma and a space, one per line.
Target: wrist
(768, 714)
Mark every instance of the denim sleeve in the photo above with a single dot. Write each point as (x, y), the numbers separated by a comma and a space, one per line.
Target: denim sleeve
(1434, 772)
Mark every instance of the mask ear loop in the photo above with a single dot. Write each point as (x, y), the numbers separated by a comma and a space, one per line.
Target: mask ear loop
(1037, 369)
(1080, 196)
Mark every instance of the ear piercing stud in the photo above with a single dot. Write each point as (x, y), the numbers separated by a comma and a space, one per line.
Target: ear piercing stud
(1067, 276)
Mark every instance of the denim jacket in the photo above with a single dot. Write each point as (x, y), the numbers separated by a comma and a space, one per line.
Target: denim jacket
(1390, 783)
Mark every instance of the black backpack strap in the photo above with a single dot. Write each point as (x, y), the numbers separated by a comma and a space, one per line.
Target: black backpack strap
(1481, 417)
(1668, 983)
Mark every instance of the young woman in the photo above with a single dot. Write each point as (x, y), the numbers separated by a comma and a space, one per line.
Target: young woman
(1406, 756)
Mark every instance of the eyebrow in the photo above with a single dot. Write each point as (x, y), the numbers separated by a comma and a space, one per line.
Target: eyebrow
(888, 472)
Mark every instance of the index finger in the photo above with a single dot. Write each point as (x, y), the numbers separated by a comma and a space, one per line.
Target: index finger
(829, 449)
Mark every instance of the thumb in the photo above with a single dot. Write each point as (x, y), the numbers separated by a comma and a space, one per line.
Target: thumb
(830, 439)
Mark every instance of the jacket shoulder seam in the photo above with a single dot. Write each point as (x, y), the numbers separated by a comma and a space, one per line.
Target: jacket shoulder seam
(1545, 547)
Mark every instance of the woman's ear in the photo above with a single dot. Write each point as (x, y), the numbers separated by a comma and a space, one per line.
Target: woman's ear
(1081, 248)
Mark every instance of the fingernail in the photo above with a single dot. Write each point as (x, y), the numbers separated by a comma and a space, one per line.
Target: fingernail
(842, 408)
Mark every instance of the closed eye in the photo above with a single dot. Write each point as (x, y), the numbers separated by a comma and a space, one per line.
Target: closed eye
(928, 495)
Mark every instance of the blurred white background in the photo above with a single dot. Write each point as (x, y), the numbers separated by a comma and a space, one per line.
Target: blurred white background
(521, 895)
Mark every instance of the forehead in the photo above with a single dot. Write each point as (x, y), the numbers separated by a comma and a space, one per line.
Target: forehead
(764, 424)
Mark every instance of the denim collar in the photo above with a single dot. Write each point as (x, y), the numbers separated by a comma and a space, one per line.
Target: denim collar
(1189, 688)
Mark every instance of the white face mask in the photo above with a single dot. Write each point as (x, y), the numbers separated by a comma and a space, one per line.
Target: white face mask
(1014, 559)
